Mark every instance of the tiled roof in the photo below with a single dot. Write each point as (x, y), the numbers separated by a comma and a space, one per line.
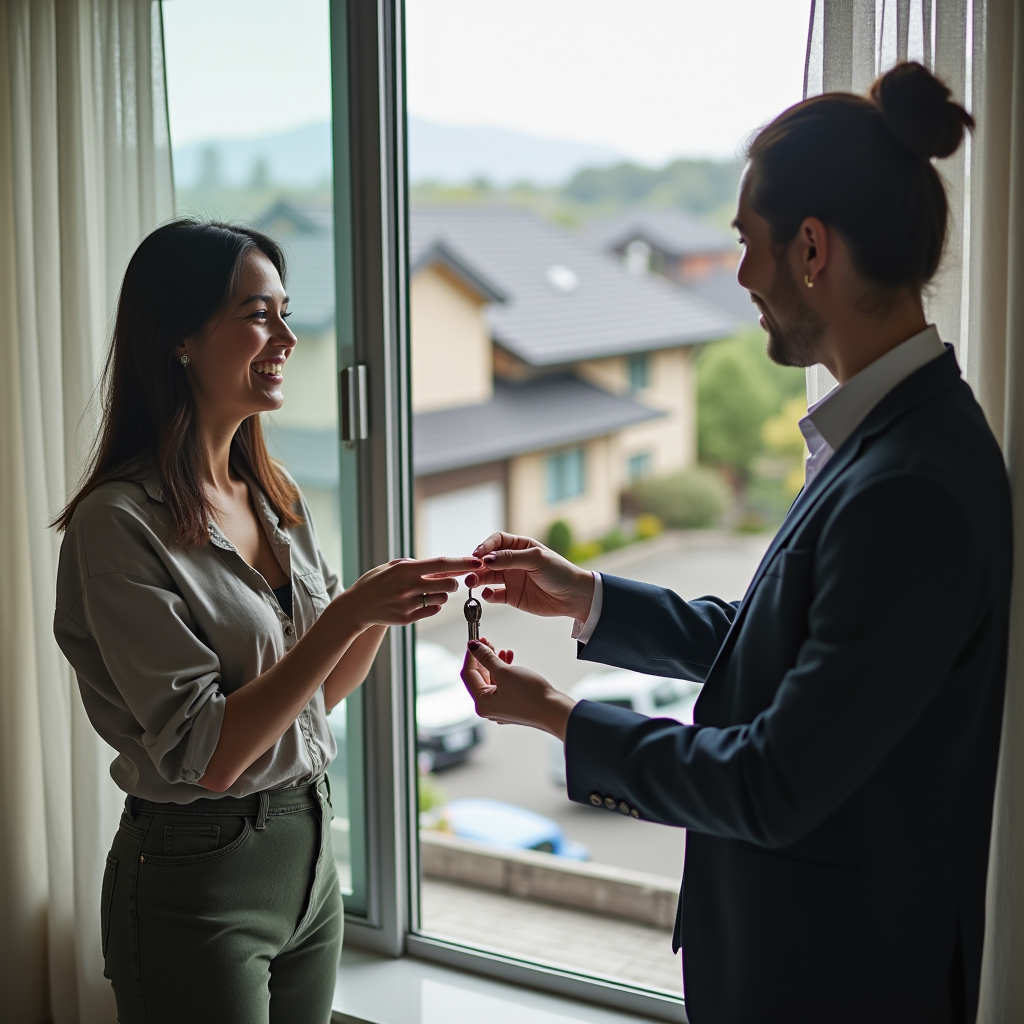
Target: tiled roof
(676, 233)
(721, 288)
(565, 300)
(546, 412)
(310, 282)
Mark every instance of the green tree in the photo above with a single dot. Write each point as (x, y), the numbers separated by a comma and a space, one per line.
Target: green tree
(738, 389)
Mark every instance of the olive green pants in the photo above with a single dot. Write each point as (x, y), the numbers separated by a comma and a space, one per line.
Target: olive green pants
(224, 910)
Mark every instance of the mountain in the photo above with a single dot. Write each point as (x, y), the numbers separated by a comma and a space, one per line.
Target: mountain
(451, 154)
(446, 154)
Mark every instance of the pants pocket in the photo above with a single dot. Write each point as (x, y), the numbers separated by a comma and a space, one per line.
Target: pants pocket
(190, 840)
(106, 899)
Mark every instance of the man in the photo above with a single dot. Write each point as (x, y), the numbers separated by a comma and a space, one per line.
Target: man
(837, 783)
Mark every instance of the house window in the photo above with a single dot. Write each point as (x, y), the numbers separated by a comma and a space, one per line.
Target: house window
(638, 369)
(639, 466)
(566, 475)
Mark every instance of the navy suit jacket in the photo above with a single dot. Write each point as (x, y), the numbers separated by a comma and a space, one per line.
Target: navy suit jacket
(838, 781)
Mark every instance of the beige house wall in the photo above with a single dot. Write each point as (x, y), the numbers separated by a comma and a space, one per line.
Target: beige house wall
(310, 384)
(451, 348)
(671, 440)
(590, 515)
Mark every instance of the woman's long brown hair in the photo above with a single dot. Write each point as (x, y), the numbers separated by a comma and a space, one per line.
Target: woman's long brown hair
(177, 280)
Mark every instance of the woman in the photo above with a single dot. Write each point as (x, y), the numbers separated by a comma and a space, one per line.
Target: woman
(211, 639)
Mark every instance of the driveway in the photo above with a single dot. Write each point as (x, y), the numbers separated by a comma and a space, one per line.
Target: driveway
(512, 762)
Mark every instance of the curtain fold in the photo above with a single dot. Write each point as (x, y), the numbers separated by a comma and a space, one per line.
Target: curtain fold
(84, 173)
(996, 371)
(977, 300)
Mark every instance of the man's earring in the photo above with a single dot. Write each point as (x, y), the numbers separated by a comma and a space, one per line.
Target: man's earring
(807, 281)
(184, 356)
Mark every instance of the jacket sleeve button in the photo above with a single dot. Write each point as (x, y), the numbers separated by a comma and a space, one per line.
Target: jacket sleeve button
(635, 812)
(609, 802)
(595, 799)
(624, 807)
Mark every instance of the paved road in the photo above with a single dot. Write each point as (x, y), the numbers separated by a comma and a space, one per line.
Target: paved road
(512, 762)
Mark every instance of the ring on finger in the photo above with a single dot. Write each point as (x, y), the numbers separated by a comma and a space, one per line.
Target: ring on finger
(424, 600)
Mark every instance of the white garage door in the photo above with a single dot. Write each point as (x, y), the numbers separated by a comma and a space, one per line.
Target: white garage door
(455, 522)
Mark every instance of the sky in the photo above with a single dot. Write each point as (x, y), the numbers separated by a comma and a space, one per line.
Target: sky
(652, 79)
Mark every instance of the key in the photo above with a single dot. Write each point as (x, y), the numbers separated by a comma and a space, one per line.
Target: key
(472, 609)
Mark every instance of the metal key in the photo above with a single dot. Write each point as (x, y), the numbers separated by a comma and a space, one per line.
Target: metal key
(472, 609)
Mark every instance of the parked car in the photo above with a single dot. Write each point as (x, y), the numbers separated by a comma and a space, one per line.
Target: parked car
(500, 824)
(654, 696)
(447, 726)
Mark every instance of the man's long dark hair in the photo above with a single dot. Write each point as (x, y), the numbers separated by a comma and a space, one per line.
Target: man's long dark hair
(863, 165)
(178, 279)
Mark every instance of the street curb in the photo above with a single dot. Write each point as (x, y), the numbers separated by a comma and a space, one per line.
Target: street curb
(598, 888)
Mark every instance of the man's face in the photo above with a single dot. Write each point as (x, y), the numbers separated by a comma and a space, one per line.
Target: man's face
(795, 331)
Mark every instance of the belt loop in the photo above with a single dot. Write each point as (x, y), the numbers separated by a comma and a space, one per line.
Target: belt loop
(261, 818)
(327, 780)
(129, 814)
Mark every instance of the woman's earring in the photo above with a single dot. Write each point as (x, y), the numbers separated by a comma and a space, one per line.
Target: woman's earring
(807, 281)
(184, 357)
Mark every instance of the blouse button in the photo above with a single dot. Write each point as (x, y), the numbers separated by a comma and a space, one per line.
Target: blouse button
(289, 629)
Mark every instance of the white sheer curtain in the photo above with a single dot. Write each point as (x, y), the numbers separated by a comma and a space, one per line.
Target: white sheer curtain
(84, 173)
(977, 300)
(850, 43)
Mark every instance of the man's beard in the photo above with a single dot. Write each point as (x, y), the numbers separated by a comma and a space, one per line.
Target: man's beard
(794, 329)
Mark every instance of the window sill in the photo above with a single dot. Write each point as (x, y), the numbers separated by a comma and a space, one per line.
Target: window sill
(374, 989)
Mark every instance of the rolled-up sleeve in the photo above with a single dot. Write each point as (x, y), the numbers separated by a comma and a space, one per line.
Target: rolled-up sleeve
(167, 677)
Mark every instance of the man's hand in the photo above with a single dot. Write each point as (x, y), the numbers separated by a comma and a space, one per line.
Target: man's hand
(524, 573)
(513, 695)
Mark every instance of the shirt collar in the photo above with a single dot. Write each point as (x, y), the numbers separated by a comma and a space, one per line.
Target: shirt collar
(843, 409)
(154, 487)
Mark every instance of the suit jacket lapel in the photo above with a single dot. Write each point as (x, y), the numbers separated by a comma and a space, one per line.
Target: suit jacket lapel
(935, 377)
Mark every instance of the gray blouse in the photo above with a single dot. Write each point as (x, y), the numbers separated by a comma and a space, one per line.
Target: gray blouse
(159, 636)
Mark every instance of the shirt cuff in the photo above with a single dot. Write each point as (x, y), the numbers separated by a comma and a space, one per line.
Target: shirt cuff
(583, 631)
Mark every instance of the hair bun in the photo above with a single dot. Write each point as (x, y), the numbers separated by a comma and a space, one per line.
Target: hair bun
(918, 112)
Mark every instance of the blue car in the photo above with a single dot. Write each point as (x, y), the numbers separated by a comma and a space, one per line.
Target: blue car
(500, 824)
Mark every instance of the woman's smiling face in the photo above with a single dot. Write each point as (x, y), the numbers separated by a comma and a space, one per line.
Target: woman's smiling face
(237, 368)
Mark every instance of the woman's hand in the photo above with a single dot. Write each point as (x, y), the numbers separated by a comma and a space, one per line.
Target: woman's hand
(532, 577)
(513, 695)
(405, 590)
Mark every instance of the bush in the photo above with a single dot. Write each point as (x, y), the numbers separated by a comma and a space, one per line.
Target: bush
(580, 553)
(560, 537)
(613, 540)
(690, 499)
(648, 526)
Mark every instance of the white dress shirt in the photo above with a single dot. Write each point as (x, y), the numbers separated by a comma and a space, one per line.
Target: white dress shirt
(828, 423)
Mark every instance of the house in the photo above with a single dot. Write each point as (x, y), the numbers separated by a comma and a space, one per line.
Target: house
(677, 245)
(545, 376)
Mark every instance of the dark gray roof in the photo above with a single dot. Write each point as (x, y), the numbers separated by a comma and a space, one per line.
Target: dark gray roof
(310, 282)
(442, 254)
(545, 412)
(599, 309)
(676, 233)
(721, 288)
(299, 216)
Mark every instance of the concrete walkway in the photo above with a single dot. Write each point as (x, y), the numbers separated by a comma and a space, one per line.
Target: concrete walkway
(553, 935)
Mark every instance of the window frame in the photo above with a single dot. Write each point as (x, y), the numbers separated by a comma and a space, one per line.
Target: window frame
(367, 55)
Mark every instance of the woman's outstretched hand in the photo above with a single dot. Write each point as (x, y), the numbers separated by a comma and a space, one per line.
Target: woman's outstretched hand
(524, 573)
(513, 695)
(405, 590)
